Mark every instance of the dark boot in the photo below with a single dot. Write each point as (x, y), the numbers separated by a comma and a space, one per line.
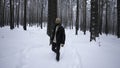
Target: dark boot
(57, 55)
(57, 58)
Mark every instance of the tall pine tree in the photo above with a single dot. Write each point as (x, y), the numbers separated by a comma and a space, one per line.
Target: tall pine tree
(11, 14)
(94, 27)
(52, 15)
(77, 18)
(25, 24)
(118, 18)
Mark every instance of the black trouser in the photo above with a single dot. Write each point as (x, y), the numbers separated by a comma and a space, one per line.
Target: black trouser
(56, 49)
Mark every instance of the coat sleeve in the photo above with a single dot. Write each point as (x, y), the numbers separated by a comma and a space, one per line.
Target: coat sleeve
(63, 36)
(52, 34)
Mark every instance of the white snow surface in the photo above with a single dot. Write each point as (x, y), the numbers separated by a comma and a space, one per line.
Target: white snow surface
(30, 49)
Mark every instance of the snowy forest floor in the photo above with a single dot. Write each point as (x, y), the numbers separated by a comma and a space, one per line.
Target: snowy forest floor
(30, 49)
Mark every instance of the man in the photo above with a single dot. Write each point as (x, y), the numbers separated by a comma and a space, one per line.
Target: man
(58, 38)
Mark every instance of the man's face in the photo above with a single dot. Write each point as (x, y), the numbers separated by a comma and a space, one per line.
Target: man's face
(57, 21)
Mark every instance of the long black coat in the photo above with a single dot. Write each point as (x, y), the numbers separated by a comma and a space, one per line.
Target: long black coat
(60, 35)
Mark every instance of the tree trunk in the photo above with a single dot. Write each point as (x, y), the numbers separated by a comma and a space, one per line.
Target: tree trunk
(1, 23)
(11, 14)
(118, 18)
(2, 8)
(100, 15)
(18, 7)
(106, 24)
(84, 16)
(77, 18)
(52, 15)
(25, 24)
(94, 28)
(42, 7)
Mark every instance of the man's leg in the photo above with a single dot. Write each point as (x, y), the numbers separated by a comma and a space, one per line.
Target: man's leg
(54, 47)
(58, 53)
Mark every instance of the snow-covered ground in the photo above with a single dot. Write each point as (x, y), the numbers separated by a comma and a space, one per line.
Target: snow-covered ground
(30, 49)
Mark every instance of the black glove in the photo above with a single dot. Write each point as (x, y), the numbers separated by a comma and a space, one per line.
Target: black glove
(62, 45)
(50, 42)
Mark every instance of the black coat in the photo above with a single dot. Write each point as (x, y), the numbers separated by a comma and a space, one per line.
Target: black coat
(60, 35)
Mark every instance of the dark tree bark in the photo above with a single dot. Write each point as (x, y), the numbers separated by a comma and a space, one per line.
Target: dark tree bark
(25, 21)
(94, 28)
(41, 20)
(18, 7)
(118, 18)
(52, 15)
(1, 13)
(11, 14)
(2, 8)
(100, 13)
(77, 18)
(106, 24)
(84, 16)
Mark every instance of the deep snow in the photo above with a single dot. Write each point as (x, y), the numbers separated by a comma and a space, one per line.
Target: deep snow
(30, 49)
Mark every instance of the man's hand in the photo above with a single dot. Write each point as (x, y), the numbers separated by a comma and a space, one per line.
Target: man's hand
(62, 45)
(50, 43)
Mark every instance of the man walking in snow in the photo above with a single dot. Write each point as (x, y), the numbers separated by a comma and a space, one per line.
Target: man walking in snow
(58, 38)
